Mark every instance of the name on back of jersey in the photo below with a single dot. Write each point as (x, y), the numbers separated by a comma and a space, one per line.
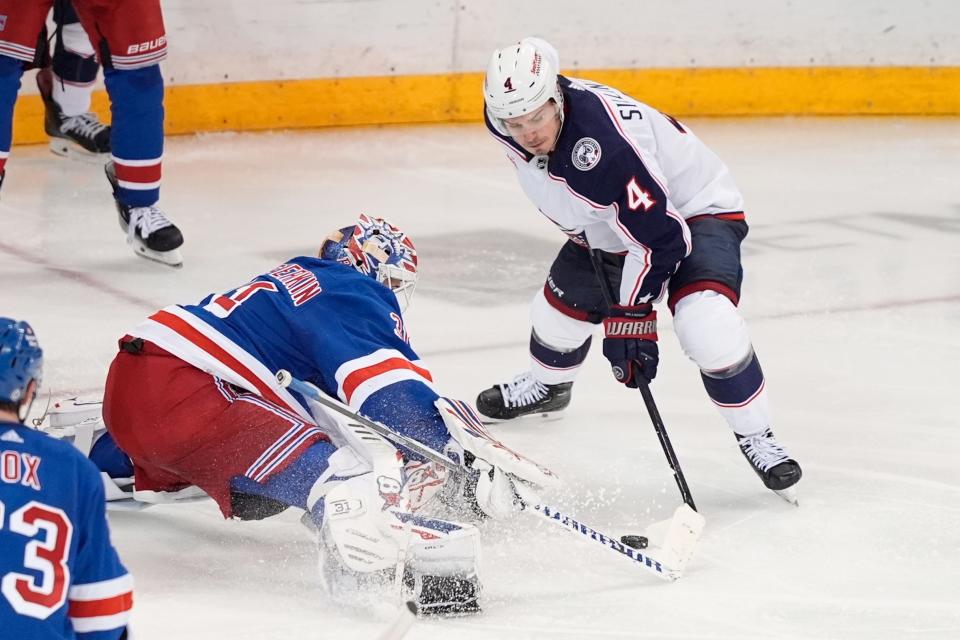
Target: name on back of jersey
(19, 467)
(300, 283)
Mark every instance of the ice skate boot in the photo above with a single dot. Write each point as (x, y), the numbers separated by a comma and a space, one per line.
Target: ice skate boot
(81, 137)
(149, 233)
(523, 396)
(778, 471)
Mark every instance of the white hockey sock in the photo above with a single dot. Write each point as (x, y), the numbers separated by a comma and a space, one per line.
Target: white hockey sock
(73, 99)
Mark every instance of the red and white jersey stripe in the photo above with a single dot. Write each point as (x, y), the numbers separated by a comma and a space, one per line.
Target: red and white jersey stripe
(101, 606)
(360, 378)
(138, 174)
(194, 341)
(17, 51)
(140, 60)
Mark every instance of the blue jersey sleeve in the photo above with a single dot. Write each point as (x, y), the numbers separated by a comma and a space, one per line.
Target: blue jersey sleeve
(101, 592)
(380, 375)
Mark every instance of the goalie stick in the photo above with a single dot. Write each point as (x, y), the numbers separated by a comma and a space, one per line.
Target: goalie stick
(682, 534)
(404, 620)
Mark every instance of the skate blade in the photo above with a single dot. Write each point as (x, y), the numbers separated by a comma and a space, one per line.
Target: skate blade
(69, 149)
(790, 495)
(550, 416)
(172, 258)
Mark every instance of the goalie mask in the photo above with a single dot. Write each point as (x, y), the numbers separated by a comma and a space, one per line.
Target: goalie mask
(21, 360)
(378, 249)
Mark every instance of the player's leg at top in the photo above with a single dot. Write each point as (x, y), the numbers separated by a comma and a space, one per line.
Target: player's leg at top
(703, 297)
(22, 46)
(564, 315)
(130, 39)
(66, 86)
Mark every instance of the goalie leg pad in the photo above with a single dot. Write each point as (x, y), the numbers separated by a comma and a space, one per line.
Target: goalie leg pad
(366, 535)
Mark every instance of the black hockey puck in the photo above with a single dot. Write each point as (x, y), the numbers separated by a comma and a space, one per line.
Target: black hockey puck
(635, 542)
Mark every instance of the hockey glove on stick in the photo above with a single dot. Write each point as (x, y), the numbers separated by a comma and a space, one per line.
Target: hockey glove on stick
(506, 481)
(629, 343)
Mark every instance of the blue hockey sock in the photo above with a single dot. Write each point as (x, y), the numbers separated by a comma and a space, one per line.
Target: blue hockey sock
(292, 485)
(136, 139)
(109, 458)
(10, 71)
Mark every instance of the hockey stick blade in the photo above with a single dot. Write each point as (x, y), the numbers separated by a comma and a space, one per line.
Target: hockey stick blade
(644, 560)
(676, 539)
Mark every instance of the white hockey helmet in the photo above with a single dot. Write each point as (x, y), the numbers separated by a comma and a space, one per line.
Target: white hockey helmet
(521, 78)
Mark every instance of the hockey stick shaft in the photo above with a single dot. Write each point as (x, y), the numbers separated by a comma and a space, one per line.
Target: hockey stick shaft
(310, 391)
(642, 560)
(658, 426)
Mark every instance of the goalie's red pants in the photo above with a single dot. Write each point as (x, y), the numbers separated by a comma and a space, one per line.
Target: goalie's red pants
(183, 426)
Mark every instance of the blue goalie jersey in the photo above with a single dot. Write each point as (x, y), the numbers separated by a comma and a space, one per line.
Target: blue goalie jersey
(60, 577)
(323, 322)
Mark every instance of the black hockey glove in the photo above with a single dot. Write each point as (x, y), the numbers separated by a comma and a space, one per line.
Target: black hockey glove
(629, 343)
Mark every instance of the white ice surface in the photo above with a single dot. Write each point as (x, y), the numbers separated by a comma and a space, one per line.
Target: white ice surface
(852, 294)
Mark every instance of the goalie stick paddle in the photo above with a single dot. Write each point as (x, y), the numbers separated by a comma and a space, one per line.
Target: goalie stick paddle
(678, 545)
(404, 620)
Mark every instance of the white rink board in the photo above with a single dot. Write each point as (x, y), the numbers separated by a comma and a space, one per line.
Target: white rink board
(218, 41)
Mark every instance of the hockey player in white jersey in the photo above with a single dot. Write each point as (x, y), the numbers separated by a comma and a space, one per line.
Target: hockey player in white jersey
(618, 176)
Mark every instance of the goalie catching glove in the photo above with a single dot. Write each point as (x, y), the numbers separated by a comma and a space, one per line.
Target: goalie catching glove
(499, 481)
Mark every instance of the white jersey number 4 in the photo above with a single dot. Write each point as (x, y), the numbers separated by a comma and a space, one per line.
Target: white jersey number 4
(637, 197)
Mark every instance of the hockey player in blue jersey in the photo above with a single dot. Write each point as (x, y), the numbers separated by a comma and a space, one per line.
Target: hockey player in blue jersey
(192, 398)
(60, 578)
(618, 176)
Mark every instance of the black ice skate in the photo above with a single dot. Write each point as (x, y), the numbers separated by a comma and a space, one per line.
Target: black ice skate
(82, 137)
(149, 233)
(523, 396)
(778, 471)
